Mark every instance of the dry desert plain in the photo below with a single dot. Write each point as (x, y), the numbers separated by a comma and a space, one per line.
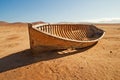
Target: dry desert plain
(99, 62)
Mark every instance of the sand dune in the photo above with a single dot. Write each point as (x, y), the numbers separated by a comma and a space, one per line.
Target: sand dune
(99, 62)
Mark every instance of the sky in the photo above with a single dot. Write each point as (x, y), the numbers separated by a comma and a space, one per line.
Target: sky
(58, 10)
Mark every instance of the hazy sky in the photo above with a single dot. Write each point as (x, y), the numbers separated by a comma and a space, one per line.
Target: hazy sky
(58, 10)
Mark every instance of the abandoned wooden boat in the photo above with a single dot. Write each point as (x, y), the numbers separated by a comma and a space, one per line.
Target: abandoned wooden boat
(45, 37)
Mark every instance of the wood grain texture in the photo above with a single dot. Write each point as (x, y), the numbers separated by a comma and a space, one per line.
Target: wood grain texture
(63, 36)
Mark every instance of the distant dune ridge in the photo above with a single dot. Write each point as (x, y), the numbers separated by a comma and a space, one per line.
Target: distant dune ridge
(91, 21)
(34, 23)
(3, 23)
(99, 62)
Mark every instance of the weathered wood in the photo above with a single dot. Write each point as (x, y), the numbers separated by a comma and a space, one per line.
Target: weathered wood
(62, 36)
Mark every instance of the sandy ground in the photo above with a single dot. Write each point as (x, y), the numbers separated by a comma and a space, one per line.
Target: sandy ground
(100, 62)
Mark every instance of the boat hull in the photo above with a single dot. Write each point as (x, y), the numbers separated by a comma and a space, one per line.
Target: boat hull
(40, 42)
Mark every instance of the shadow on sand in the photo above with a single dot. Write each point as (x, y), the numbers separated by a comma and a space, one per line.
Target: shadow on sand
(25, 57)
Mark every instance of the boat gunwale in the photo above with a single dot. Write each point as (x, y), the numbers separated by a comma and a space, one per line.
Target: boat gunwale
(67, 39)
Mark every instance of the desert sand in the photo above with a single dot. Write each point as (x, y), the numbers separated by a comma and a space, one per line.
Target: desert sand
(99, 62)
